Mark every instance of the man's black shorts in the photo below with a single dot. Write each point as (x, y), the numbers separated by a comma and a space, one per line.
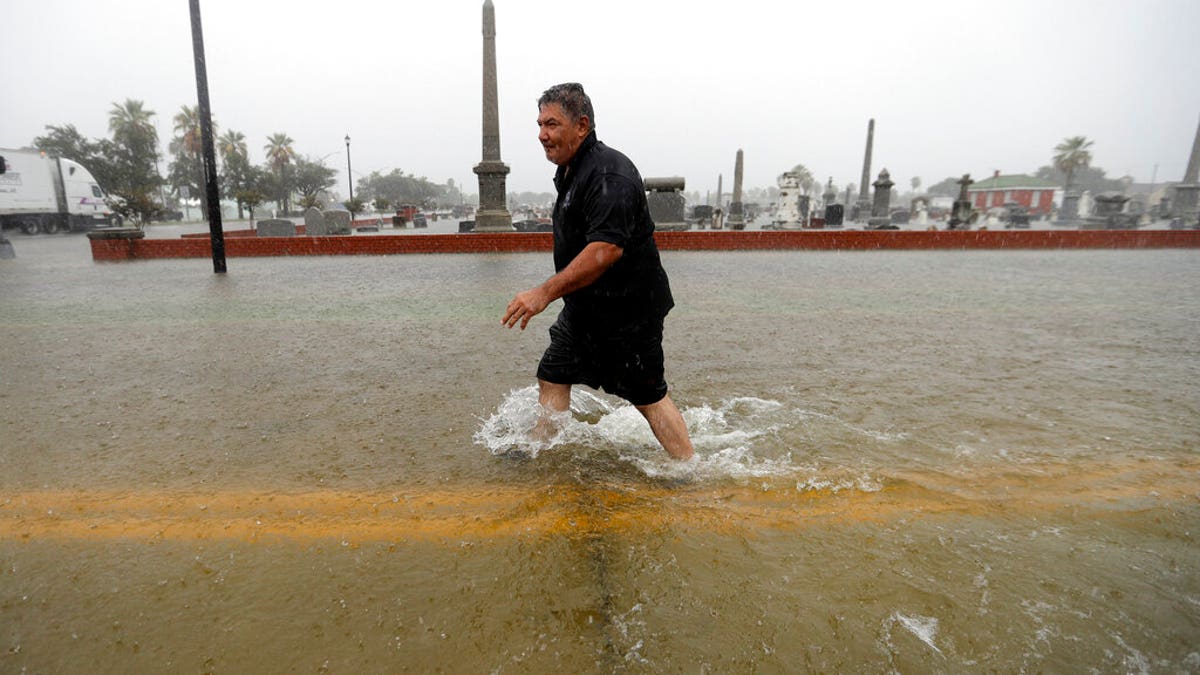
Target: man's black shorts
(623, 360)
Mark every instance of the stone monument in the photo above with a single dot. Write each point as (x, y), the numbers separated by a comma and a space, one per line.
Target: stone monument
(830, 195)
(803, 206)
(314, 223)
(1069, 212)
(862, 210)
(737, 218)
(833, 211)
(1185, 198)
(668, 208)
(1109, 213)
(338, 222)
(1085, 204)
(920, 210)
(883, 197)
(493, 215)
(276, 227)
(960, 212)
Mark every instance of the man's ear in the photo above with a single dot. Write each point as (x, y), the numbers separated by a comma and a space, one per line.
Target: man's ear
(585, 124)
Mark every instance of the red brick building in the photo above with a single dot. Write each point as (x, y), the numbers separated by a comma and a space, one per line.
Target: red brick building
(1035, 194)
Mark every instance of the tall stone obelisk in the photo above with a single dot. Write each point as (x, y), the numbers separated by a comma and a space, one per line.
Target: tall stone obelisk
(493, 215)
(863, 207)
(1185, 200)
(737, 216)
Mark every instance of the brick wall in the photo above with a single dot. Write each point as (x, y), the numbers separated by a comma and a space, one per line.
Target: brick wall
(702, 240)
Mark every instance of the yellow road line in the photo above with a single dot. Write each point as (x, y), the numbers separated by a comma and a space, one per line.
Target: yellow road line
(471, 512)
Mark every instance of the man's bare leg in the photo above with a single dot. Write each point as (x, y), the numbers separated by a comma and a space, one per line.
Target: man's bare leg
(553, 398)
(668, 426)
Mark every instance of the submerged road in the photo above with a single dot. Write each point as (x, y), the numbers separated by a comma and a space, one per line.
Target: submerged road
(455, 513)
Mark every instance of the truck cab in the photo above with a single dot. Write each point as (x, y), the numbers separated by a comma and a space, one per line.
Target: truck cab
(86, 205)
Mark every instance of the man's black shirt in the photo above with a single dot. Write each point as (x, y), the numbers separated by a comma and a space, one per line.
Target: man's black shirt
(601, 197)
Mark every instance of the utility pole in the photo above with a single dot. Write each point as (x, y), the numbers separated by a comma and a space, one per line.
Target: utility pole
(216, 235)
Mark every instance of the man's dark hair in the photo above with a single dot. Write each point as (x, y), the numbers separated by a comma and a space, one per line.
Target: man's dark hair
(574, 101)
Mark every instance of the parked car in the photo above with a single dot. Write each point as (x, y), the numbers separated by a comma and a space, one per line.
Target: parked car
(1016, 216)
(168, 213)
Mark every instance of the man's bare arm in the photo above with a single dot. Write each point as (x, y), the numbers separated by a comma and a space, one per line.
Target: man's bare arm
(586, 268)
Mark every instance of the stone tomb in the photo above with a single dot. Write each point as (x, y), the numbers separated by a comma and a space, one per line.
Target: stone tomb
(835, 216)
(314, 223)
(880, 218)
(337, 221)
(668, 207)
(275, 227)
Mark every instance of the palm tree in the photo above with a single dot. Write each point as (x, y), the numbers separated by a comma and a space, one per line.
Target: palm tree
(135, 139)
(232, 143)
(131, 120)
(236, 163)
(1073, 153)
(188, 146)
(187, 128)
(279, 154)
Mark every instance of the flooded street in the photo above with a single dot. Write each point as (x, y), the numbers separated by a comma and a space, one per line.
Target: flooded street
(907, 462)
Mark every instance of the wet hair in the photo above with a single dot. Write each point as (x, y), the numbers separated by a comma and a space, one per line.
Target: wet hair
(574, 101)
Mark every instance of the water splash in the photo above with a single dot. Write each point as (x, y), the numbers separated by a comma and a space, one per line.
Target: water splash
(738, 438)
(923, 627)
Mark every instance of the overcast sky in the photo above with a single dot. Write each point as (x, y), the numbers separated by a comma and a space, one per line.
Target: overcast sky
(954, 86)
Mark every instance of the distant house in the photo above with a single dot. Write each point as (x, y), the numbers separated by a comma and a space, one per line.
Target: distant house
(1035, 194)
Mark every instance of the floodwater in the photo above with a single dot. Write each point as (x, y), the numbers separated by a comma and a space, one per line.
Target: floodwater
(907, 462)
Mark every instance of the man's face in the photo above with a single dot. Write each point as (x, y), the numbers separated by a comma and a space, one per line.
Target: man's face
(560, 137)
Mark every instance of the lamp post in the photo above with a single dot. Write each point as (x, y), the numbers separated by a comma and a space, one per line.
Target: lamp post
(349, 175)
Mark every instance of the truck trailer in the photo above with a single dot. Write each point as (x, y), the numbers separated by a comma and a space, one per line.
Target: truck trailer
(39, 193)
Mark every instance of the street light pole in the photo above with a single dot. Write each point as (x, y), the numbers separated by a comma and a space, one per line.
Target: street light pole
(349, 175)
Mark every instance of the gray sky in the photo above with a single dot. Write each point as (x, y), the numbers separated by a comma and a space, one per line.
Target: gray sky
(954, 86)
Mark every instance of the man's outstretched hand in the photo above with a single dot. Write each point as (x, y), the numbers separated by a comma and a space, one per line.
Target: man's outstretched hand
(524, 307)
(591, 262)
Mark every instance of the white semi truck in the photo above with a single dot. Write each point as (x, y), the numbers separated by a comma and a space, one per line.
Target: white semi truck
(39, 193)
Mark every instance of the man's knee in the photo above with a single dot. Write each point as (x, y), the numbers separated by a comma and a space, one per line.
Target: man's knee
(647, 409)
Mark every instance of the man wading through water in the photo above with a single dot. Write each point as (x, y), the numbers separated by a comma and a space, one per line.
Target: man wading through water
(614, 289)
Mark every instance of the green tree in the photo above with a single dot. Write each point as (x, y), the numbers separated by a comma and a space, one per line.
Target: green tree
(805, 178)
(187, 167)
(280, 155)
(131, 125)
(1089, 178)
(231, 143)
(237, 174)
(132, 155)
(1072, 154)
(945, 188)
(310, 178)
(251, 198)
(354, 206)
(66, 141)
(138, 208)
(400, 188)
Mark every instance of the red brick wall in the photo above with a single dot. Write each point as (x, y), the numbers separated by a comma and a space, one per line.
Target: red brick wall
(701, 240)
